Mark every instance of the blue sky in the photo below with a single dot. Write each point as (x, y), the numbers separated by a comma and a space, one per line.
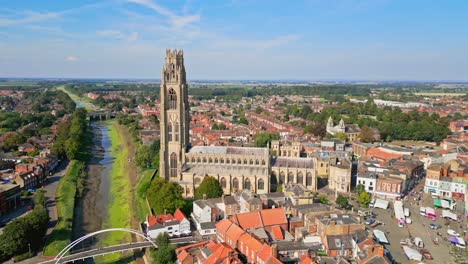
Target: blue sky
(236, 39)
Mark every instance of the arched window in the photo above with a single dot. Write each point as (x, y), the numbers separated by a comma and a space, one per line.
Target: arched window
(300, 178)
(173, 165)
(251, 162)
(263, 162)
(282, 177)
(228, 161)
(204, 159)
(256, 162)
(290, 177)
(176, 131)
(223, 183)
(172, 99)
(193, 160)
(210, 160)
(245, 161)
(235, 184)
(309, 179)
(198, 160)
(239, 161)
(247, 184)
(261, 184)
(221, 161)
(216, 160)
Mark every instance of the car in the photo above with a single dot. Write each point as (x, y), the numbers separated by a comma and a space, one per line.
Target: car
(371, 204)
(435, 225)
(376, 223)
(426, 254)
(369, 221)
(452, 232)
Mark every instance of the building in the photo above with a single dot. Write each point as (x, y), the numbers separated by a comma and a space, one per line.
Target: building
(352, 131)
(174, 225)
(236, 168)
(340, 175)
(9, 197)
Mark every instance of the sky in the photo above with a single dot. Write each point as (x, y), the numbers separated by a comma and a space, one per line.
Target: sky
(236, 39)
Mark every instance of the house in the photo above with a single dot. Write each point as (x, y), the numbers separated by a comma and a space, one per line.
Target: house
(298, 194)
(174, 225)
(368, 179)
(340, 175)
(265, 218)
(248, 202)
(26, 147)
(388, 187)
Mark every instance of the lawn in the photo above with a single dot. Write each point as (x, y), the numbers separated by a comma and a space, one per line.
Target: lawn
(118, 211)
(65, 199)
(144, 181)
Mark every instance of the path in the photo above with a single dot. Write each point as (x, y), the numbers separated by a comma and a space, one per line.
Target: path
(51, 189)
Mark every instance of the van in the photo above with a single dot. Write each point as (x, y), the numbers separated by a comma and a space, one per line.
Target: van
(407, 212)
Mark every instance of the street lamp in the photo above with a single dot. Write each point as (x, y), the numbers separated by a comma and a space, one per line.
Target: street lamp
(29, 245)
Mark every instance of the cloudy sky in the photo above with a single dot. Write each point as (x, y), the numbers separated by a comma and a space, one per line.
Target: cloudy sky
(236, 39)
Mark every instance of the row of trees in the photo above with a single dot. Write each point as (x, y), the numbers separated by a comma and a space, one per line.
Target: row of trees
(25, 234)
(72, 138)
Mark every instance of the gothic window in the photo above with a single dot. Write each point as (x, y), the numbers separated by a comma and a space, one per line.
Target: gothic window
(245, 161)
(235, 184)
(290, 177)
(204, 159)
(282, 177)
(263, 162)
(216, 160)
(172, 99)
(210, 160)
(173, 165)
(309, 179)
(198, 160)
(261, 184)
(193, 160)
(228, 161)
(256, 162)
(300, 178)
(221, 161)
(233, 161)
(247, 184)
(239, 161)
(223, 183)
(251, 162)
(169, 130)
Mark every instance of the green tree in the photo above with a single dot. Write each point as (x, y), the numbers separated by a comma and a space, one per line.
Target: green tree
(341, 136)
(166, 251)
(243, 120)
(164, 195)
(322, 199)
(210, 187)
(258, 110)
(143, 157)
(360, 188)
(342, 201)
(263, 139)
(215, 127)
(364, 199)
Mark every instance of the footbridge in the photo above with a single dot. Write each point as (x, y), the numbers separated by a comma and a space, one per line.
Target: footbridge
(101, 114)
(63, 256)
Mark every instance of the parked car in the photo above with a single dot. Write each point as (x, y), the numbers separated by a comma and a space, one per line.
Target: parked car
(369, 221)
(435, 225)
(372, 202)
(376, 223)
(426, 254)
(452, 232)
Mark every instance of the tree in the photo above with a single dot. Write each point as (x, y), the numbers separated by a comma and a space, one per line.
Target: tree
(341, 136)
(364, 199)
(210, 187)
(166, 251)
(360, 188)
(164, 195)
(342, 201)
(367, 135)
(322, 199)
(243, 120)
(215, 127)
(258, 110)
(262, 139)
(143, 156)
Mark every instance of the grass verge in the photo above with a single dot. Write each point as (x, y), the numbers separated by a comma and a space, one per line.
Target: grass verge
(144, 181)
(65, 201)
(119, 211)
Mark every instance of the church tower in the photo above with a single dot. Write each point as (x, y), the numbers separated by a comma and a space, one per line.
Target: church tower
(174, 115)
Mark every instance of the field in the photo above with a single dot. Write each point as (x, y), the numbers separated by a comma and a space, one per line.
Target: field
(119, 211)
(65, 199)
(77, 99)
(440, 94)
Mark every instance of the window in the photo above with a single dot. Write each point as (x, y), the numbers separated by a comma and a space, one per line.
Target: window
(261, 184)
(256, 162)
(309, 179)
(176, 131)
(251, 162)
(247, 184)
(172, 99)
(281, 178)
(173, 165)
(263, 162)
(290, 177)
(193, 160)
(235, 184)
(169, 131)
(223, 183)
(300, 178)
(370, 183)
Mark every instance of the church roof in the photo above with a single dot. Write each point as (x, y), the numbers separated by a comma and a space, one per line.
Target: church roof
(232, 169)
(292, 162)
(229, 150)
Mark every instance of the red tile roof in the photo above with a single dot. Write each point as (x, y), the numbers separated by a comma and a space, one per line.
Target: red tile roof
(275, 216)
(265, 252)
(182, 255)
(179, 215)
(305, 260)
(223, 225)
(234, 232)
(249, 220)
(277, 233)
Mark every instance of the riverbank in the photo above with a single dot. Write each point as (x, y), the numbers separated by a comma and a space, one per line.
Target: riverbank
(141, 206)
(79, 101)
(122, 175)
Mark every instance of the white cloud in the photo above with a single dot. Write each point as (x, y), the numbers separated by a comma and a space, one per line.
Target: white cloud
(177, 21)
(71, 58)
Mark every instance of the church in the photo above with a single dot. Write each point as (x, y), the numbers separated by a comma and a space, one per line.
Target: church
(352, 131)
(236, 168)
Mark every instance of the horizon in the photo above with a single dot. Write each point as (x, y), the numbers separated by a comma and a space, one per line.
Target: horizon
(368, 40)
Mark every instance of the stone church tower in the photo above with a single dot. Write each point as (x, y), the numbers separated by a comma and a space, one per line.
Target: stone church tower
(174, 115)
